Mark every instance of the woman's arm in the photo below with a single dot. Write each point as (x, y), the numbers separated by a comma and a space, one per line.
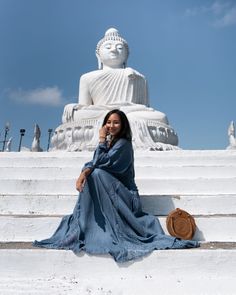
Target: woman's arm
(101, 147)
(116, 159)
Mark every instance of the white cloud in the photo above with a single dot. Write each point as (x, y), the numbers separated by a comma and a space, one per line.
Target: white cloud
(222, 12)
(50, 96)
(195, 11)
(228, 19)
(218, 7)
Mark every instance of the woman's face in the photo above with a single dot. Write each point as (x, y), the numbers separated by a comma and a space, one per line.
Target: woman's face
(113, 124)
(113, 54)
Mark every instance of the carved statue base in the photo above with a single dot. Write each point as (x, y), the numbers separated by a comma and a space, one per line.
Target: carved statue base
(82, 135)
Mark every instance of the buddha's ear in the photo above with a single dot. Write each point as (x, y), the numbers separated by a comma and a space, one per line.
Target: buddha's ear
(100, 65)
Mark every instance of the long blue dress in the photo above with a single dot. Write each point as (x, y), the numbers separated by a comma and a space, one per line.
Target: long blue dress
(108, 217)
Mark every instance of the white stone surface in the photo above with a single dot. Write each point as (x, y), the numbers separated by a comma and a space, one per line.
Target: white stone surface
(36, 187)
(28, 228)
(178, 158)
(170, 172)
(56, 204)
(74, 286)
(162, 272)
(151, 186)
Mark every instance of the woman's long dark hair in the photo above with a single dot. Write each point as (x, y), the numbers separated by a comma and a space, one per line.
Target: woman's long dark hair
(125, 131)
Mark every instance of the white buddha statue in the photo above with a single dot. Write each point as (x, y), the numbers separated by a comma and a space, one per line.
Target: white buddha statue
(113, 85)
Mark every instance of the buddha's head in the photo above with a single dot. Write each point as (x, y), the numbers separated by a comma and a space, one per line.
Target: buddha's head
(112, 50)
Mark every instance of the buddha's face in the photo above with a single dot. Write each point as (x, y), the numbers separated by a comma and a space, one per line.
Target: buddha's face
(113, 54)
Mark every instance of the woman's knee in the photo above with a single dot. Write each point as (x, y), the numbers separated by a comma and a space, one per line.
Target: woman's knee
(97, 172)
(101, 174)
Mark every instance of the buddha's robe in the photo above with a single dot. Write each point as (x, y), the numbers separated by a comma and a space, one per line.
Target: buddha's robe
(114, 86)
(103, 90)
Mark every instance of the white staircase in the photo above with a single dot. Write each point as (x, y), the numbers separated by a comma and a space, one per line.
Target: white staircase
(37, 189)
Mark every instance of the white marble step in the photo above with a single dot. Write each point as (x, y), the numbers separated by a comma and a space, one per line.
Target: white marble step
(161, 159)
(43, 160)
(151, 186)
(166, 272)
(41, 286)
(45, 204)
(171, 172)
(135, 286)
(26, 228)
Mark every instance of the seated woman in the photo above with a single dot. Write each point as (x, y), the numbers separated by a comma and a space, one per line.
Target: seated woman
(108, 217)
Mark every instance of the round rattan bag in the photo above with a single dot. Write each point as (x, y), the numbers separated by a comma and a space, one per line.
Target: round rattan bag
(180, 224)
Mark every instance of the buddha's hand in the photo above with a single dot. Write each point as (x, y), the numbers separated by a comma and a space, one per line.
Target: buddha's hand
(68, 112)
(132, 74)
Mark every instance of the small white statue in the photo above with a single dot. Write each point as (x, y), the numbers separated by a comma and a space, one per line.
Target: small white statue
(8, 147)
(232, 139)
(36, 141)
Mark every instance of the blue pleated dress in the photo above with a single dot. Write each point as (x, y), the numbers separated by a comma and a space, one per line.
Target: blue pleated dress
(108, 217)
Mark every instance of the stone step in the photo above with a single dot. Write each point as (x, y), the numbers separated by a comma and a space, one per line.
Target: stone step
(44, 159)
(26, 228)
(190, 271)
(160, 159)
(171, 172)
(46, 204)
(149, 186)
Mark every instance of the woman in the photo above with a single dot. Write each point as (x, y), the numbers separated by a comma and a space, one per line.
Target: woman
(107, 217)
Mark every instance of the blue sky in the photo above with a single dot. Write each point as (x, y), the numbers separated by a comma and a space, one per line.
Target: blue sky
(186, 50)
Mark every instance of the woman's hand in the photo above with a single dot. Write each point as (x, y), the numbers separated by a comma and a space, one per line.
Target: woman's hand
(80, 182)
(102, 134)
